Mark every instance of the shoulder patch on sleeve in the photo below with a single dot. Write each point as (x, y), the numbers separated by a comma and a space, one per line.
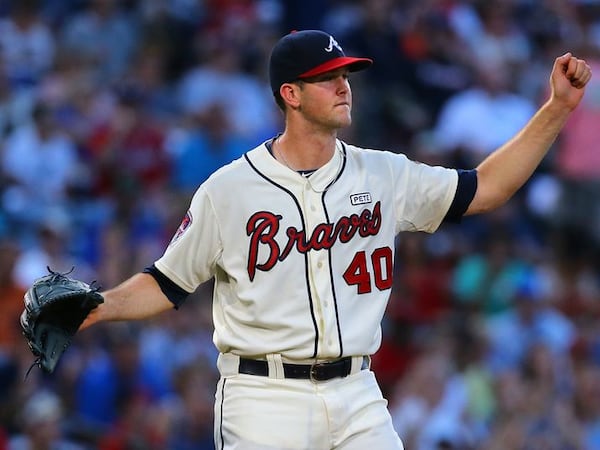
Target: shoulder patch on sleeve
(183, 227)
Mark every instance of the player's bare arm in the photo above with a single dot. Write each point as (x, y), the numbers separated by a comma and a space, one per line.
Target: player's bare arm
(137, 298)
(502, 173)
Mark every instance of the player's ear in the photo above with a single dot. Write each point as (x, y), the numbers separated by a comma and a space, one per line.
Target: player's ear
(290, 94)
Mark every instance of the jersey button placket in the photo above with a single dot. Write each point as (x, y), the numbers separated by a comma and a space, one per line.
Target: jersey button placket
(319, 272)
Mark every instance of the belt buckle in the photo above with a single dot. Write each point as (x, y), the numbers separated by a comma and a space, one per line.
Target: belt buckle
(312, 373)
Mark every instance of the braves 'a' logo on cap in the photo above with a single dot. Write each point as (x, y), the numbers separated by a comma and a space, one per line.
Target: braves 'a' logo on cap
(333, 43)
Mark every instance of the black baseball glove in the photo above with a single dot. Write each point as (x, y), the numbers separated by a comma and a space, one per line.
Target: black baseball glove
(55, 307)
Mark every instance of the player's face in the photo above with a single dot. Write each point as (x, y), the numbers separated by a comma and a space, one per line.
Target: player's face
(326, 99)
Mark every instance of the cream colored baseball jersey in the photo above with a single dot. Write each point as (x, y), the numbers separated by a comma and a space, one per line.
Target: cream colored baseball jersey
(303, 265)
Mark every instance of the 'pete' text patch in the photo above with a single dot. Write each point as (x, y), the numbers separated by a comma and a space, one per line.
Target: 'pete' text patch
(361, 198)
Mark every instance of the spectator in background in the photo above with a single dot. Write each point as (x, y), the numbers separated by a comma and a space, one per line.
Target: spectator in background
(219, 78)
(103, 34)
(27, 44)
(147, 76)
(440, 62)
(532, 411)
(167, 31)
(49, 248)
(420, 294)
(209, 144)
(572, 277)
(15, 106)
(424, 414)
(498, 40)
(551, 421)
(470, 388)
(78, 100)
(191, 427)
(485, 282)
(31, 153)
(128, 154)
(42, 427)
(513, 333)
(477, 120)
(109, 379)
(507, 426)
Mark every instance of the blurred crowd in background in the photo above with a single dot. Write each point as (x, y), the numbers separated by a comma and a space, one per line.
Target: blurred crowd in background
(113, 112)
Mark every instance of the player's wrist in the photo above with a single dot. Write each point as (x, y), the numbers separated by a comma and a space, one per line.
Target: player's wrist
(556, 108)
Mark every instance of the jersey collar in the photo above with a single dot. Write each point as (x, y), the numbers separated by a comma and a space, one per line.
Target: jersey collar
(262, 159)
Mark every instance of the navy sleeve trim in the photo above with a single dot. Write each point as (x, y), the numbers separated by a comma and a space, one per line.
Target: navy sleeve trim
(173, 292)
(465, 191)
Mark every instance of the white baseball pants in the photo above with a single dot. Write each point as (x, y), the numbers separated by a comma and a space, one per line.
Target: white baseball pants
(266, 413)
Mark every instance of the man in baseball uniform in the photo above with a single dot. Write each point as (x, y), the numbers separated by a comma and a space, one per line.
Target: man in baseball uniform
(298, 235)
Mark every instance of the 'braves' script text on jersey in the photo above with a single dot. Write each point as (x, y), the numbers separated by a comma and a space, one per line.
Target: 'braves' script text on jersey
(264, 226)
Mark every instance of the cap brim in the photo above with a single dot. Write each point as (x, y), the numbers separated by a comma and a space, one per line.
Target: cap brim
(353, 65)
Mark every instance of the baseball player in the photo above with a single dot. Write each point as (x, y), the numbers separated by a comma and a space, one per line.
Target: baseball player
(298, 235)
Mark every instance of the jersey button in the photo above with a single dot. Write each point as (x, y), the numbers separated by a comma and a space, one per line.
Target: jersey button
(319, 264)
(313, 208)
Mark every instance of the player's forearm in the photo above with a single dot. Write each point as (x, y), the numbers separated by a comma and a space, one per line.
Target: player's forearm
(503, 172)
(138, 298)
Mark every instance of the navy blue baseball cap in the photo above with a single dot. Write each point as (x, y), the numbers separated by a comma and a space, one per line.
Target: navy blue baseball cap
(307, 53)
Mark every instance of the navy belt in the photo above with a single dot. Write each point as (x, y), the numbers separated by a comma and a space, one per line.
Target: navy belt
(318, 372)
